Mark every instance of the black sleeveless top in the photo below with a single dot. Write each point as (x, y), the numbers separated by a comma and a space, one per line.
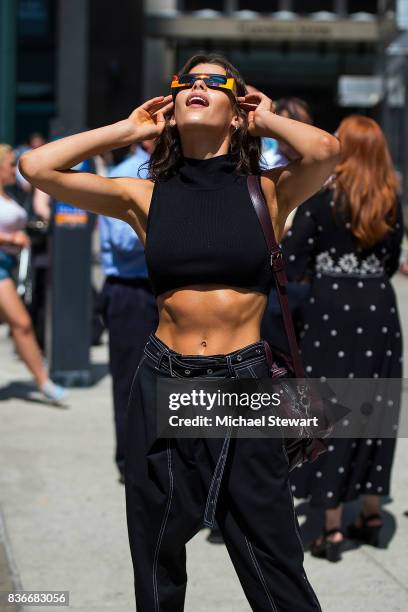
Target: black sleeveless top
(202, 229)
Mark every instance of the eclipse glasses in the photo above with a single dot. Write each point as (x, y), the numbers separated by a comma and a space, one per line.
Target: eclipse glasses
(217, 81)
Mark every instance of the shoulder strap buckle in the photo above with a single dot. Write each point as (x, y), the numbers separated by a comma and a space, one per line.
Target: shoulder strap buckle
(277, 259)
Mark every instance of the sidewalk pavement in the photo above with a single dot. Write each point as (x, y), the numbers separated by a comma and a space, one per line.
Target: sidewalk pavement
(62, 512)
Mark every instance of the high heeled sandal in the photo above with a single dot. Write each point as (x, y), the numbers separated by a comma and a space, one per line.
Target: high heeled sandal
(368, 534)
(327, 549)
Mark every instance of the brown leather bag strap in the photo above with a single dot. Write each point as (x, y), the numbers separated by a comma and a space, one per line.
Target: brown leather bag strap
(278, 269)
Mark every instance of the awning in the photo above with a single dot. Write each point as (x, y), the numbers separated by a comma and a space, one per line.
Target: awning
(181, 27)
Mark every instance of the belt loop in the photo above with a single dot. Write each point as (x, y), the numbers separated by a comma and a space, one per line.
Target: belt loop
(170, 367)
(159, 358)
(230, 368)
(165, 353)
(268, 354)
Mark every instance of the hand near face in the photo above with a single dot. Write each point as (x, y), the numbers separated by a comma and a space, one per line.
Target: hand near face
(148, 119)
(257, 105)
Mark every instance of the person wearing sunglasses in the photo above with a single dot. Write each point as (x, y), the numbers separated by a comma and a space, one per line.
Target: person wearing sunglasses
(209, 268)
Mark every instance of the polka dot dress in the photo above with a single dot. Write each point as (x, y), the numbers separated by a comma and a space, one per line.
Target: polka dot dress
(350, 328)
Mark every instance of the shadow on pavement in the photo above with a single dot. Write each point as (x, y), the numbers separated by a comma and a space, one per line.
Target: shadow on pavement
(25, 390)
(17, 390)
(312, 527)
(27, 393)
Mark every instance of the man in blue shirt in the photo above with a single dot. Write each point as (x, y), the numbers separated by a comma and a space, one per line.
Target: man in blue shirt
(128, 305)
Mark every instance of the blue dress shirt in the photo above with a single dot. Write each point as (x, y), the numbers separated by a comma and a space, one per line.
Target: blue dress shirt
(272, 156)
(122, 253)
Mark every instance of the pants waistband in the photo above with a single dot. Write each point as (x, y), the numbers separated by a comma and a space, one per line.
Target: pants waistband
(187, 366)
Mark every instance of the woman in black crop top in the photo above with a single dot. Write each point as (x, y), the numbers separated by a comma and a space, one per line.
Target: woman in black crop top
(209, 267)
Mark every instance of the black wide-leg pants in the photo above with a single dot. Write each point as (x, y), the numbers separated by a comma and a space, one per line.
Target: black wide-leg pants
(170, 486)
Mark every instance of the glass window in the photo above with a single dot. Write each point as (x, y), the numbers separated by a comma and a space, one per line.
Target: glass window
(365, 6)
(33, 18)
(199, 5)
(36, 56)
(312, 6)
(262, 6)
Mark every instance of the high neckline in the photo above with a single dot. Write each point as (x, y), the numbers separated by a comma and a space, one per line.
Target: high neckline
(211, 173)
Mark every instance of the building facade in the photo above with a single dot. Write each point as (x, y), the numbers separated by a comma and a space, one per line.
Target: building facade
(82, 64)
(280, 46)
(66, 66)
(342, 56)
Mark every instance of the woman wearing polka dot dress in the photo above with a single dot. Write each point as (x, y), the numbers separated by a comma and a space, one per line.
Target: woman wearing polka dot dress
(346, 241)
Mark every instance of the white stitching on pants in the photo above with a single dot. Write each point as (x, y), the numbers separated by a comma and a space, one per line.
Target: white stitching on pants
(260, 575)
(297, 530)
(252, 371)
(162, 528)
(301, 544)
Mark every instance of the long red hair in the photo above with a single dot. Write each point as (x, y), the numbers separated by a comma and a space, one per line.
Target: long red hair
(366, 182)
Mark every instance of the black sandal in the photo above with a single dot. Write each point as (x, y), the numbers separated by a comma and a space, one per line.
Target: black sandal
(326, 549)
(367, 534)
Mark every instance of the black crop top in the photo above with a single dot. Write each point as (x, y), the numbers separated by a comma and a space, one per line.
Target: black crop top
(202, 229)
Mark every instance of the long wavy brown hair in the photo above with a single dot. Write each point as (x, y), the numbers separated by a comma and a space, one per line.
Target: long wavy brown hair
(244, 148)
(366, 181)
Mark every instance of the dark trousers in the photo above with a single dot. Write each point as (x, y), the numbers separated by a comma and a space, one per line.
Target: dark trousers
(173, 485)
(130, 314)
(272, 328)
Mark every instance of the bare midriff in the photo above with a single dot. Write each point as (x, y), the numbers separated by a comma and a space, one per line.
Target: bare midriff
(209, 320)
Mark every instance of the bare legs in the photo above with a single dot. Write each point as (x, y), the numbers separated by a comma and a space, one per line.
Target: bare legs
(13, 311)
(333, 517)
(333, 521)
(371, 505)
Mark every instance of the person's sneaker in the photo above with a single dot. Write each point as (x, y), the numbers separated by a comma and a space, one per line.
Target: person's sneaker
(54, 393)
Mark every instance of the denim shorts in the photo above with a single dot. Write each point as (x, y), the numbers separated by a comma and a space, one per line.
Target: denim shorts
(7, 263)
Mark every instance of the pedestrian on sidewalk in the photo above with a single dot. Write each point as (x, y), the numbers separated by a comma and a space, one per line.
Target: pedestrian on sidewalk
(271, 327)
(347, 241)
(209, 266)
(13, 220)
(127, 302)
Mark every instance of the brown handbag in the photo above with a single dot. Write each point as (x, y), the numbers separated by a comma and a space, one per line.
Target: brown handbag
(305, 447)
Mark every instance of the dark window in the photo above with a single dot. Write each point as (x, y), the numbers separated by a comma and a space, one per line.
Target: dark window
(262, 6)
(365, 6)
(34, 18)
(199, 5)
(36, 57)
(312, 6)
(387, 5)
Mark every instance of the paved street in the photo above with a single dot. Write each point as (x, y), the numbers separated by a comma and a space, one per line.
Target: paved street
(62, 511)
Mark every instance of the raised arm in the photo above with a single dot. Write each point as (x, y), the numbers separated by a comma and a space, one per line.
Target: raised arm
(49, 166)
(318, 153)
